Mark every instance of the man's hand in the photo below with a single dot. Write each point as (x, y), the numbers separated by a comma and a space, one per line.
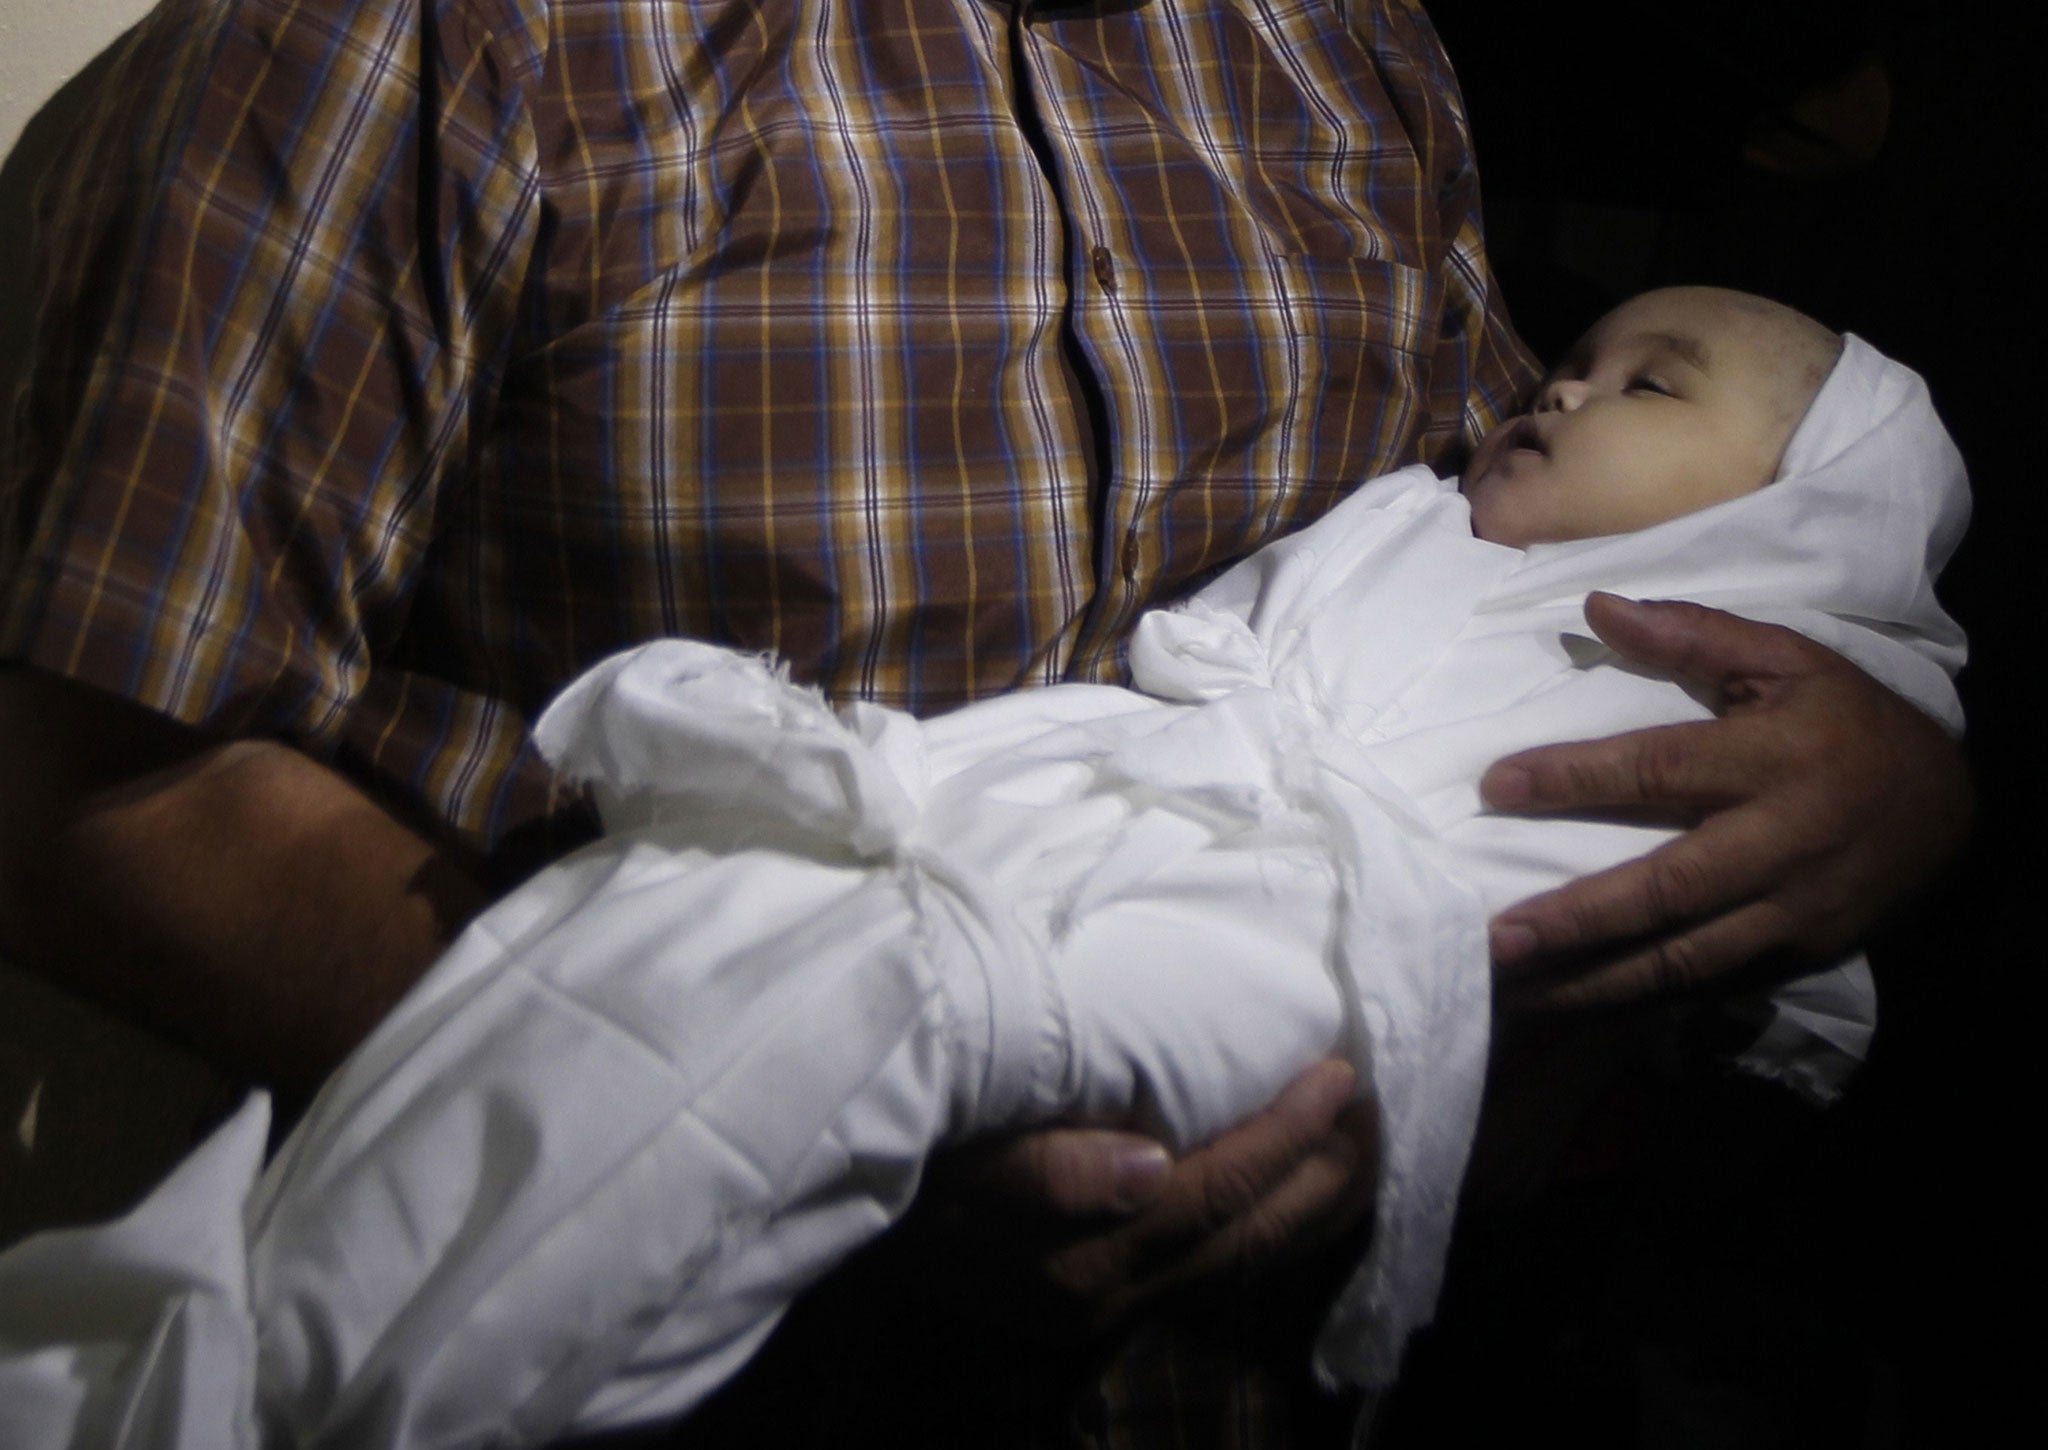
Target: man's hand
(1114, 1223)
(1817, 800)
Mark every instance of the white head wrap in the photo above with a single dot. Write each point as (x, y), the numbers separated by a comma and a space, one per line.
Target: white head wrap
(1870, 501)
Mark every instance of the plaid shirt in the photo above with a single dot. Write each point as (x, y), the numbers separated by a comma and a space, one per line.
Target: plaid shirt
(396, 366)
(397, 360)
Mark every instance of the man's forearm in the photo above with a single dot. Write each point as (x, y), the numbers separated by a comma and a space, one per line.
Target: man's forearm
(237, 896)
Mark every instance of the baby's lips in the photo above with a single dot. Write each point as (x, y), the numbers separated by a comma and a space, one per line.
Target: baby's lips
(1526, 432)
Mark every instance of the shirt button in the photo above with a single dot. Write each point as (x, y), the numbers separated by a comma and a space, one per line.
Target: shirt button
(1131, 558)
(1105, 268)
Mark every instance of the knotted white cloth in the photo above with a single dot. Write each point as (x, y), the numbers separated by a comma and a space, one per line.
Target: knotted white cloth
(576, 1177)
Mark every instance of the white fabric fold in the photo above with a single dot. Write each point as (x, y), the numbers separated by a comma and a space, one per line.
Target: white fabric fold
(577, 1176)
(140, 1333)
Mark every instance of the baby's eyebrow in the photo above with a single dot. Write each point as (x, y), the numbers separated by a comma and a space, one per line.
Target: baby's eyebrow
(1691, 349)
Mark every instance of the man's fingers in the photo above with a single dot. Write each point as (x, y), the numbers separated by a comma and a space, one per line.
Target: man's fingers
(1219, 1187)
(1289, 1180)
(1071, 1173)
(1292, 1177)
(1687, 963)
(1089, 1172)
(1297, 1173)
(1690, 642)
(1728, 861)
(1816, 798)
(1321, 1197)
(1687, 766)
(1701, 765)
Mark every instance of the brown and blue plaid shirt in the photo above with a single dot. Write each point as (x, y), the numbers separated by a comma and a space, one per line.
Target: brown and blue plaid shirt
(398, 359)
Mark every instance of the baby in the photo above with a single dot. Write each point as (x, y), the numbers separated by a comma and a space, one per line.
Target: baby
(575, 1179)
(1675, 401)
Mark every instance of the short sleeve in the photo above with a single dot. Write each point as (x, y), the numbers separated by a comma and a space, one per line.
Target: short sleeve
(278, 275)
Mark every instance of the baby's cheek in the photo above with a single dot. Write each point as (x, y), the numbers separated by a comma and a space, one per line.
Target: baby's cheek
(1491, 516)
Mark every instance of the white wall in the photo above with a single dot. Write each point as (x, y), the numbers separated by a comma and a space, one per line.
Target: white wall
(43, 43)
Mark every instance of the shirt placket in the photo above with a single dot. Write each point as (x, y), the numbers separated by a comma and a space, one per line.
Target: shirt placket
(1148, 282)
(1101, 374)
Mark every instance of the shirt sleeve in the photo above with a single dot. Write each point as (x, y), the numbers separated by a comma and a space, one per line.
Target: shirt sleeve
(277, 274)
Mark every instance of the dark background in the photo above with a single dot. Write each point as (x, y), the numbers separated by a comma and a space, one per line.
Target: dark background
(1750, 1275)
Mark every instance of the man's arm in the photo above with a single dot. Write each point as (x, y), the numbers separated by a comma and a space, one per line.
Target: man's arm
(235, 895)
(250, 902)
(1819, 802)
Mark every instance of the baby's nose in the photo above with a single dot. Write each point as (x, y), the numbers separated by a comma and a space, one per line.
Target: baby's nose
(1560, 395)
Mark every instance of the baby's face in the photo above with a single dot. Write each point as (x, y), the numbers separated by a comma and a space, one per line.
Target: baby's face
(1675, 400)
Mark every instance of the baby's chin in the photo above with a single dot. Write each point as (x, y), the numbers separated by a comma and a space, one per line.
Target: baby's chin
(1496, 523)
(1483, 503)
(1507, 538)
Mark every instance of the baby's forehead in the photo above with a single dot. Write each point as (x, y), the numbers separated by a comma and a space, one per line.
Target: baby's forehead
(1695, 345)
(1713, 328)
(1697, 329)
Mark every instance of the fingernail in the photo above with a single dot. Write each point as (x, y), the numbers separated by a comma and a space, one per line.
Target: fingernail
(1335, 1088)
(1510, 942)
(1141, 1170)
(1508, 786)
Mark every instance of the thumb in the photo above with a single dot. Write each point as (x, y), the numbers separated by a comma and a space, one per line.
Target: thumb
(1066, 1172)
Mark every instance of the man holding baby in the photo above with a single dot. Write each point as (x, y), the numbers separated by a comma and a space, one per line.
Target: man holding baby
(398, 360)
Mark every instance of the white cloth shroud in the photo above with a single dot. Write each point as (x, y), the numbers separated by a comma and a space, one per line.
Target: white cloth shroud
(577, 1176)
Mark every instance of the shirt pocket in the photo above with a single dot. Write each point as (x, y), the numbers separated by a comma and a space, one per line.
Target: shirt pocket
(1361, 333)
